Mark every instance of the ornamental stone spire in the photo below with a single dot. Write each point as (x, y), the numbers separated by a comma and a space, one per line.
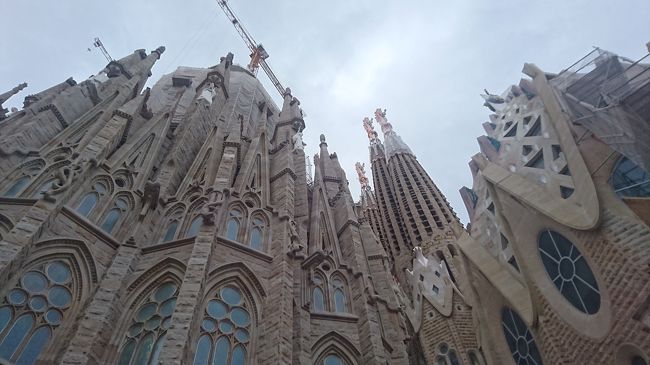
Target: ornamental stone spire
(392, 141)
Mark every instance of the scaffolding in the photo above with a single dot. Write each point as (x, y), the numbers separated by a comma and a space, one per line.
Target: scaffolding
(610, 96)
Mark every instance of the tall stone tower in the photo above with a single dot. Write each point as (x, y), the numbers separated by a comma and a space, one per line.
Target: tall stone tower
(419, 220)
(176, 226)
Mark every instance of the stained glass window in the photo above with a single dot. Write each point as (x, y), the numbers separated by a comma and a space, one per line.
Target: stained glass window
(121, 206)
(225, 328)
(90, 200)
(232, 227)
(519, 338)
(333, 360)
(38, 194)
(146, 336)
(318, 300)
(17, 187)
(170, 233)
(569, 271)
(256, 233)
(33, 309)
(629, 180)
(195, 227)
(339, 295)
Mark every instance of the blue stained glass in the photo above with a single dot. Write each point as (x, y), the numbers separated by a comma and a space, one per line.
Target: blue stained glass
(127, 353)
(164, 292)
(242, 335)
(111, 219)
(152, 323)
(231, 295)
(240, 317)
(135, 329)
(5, 317)
(256, 238)
(38, 303)
(17, 296)
(216, 309)
(339, 301)
(87, 204)
(221, 351)
(59, 296)
(226, 327)
(318, 300)
(203, 348)
(333, 360)
(167, 308)
(41, 191)
(146, 311)
(144, 350)
(58, 272)
(157, 349)
(122, 204)
(34, 282)
(15, 337)
(238, 356)
(208, 325)
(232, 230)
(100, 188)
(171, 231)
(34, 346)
(195, 227)
(17, 187)
(166, 323)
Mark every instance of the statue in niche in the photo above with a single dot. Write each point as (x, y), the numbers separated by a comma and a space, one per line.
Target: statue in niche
(298, 144)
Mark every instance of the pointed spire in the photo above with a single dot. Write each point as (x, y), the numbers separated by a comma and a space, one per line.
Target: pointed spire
(361, 173)
(5, 96)
(392, 141)
(370, 130)
(291, 112)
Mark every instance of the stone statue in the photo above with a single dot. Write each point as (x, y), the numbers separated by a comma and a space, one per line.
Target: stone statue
(298, 144)
(208, 93)
(295, 247)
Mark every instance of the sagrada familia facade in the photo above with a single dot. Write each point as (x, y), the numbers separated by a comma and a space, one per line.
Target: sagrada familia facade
(178, 225)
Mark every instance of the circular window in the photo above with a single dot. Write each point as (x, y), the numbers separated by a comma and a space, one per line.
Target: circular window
(569, 271)
(519, 338)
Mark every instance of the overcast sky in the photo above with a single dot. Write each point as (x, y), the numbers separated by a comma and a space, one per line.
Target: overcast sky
(424, 61)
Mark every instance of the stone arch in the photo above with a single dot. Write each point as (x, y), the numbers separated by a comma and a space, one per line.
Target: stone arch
(125, 176)
(173, 214)
(335, 343)
(137, 294)
(192, 191)
(58, 154)
(338, 274)
(253, 198)
(31, 169)
(628, 352)
(79, 282)
(246, 279)
(6, 224)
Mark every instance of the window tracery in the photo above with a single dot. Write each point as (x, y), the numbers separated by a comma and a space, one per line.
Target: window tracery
(90, 200)
(569, 271)
(120, 207)
(318, 295)
(17, 187)
(232, 226)
(195, 227)
(519, 338)
(629, 180)
(339, 295)
(225, 330)
(256, 233)
(147, 333)
(33, 309)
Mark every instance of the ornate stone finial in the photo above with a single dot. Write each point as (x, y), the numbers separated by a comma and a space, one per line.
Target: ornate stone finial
(361, 172)
(370, 129)
(380, 117)
(160, 50)
(287, 91)
(322, 138)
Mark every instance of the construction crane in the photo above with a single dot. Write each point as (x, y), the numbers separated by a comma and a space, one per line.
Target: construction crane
(258, 53)
(98, 44)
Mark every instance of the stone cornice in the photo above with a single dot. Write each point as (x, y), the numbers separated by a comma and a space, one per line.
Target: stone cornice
(168, 245)
(246, 249)
(282, 173)
(56, 113)
(334, 316)
(345, 226)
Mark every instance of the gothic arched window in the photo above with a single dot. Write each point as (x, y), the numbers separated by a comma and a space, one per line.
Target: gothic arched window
(195, 227)
(38, 194)
(333, 360)
(90, 200)
(170, 233)
(318, 296)
(569, 271)
(629, 180)
(33, 309)
(233, 224)
(225, 329)
(519, 338)
(146, 335)
(338, 287)
(113, 216)
(256, 233)
(17, 187)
